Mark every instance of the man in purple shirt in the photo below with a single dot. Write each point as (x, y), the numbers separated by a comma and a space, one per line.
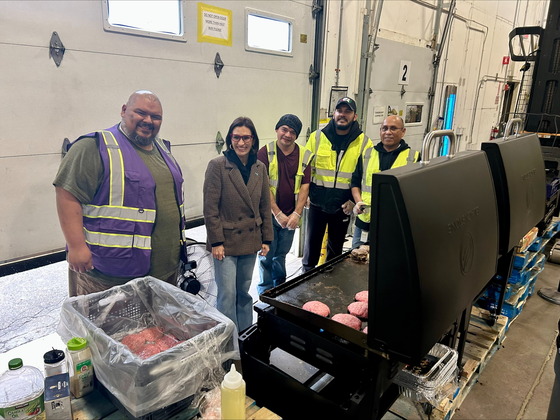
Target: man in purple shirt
(289, 176)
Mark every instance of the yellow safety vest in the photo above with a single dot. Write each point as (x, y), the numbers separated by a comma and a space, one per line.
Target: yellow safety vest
(305, 157)
(330, 170)
(370, 160)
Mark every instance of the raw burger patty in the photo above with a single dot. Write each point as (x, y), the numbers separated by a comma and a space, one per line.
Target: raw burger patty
(360, 254)
(317, 307)
(362, 296)
(359, 309)
(348, 320)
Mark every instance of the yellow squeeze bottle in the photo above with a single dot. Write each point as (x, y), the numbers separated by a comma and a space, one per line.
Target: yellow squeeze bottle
(233, 395)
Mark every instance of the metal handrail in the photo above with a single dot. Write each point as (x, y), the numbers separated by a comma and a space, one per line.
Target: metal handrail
(437, 134)
(509, 125)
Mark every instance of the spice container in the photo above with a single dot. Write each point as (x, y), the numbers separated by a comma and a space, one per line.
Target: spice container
(57, 386)
(81, 367)
(55, 362)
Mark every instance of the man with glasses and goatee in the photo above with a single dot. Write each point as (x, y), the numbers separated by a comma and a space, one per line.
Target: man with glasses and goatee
(391, 152)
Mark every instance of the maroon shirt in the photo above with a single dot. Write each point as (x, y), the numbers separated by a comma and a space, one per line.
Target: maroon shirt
(287, 169)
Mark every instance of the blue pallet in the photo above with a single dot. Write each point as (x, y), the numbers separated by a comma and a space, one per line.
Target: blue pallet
(519, 277)
(538, 262)
(511, 311)
(531, 288)
(493, 291)
(552, 229)
(521, 260)
(511, 289)
(519, 294)
(537, 245)
(552, 187)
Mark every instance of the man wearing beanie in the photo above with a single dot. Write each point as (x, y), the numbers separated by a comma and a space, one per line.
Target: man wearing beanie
(337, 148)
(289, 176)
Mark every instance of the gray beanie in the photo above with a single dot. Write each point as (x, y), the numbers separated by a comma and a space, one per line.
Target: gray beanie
(291, 121)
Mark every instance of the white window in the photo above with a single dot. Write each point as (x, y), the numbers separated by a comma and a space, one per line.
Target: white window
(153, 18)
(268, 33)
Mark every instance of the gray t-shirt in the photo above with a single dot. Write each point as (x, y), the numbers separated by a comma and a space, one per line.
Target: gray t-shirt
(81, 174)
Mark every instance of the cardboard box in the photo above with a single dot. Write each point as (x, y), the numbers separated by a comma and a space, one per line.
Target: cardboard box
(57, 397)
(527, 240)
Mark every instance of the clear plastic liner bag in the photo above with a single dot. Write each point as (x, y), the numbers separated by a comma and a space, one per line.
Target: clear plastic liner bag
(433, 379)
(203, 337)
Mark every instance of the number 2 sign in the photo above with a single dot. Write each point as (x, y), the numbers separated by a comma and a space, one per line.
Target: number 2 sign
(404, 72)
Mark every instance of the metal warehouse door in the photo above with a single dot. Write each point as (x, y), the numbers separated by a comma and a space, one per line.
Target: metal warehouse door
(45, 103)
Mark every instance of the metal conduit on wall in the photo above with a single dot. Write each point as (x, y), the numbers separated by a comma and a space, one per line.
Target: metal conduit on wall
(315, 77)
(436, 61)
(439, 11)
(337, 70)
(369, 37)
(483, 80)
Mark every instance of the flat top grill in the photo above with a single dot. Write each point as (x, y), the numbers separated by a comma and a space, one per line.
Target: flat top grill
(335, 284)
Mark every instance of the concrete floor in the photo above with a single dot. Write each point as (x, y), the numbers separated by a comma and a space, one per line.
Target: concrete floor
(515, 384)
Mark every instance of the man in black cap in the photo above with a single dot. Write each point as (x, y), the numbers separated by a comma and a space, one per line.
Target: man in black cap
(289, 176)
(337, 148)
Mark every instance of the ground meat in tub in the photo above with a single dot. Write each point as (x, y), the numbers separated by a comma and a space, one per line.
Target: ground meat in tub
(317, 307)
(362, 296)
(149, 341)
(359, 309)
(348, 320)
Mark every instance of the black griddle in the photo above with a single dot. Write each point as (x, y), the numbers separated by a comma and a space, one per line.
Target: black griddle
(353, 380)
(334, 283)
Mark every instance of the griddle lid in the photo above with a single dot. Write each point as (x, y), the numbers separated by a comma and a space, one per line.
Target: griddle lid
(434, 247)
(520, 182)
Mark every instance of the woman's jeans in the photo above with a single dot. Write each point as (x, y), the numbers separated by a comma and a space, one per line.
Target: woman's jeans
(233, 277)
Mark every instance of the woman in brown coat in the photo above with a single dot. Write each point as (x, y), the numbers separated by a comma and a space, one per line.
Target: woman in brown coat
(237, 219)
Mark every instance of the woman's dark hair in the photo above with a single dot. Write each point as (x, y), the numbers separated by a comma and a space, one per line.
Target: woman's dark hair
(244, 122)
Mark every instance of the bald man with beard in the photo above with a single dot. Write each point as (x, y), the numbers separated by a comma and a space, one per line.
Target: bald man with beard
(119, 196)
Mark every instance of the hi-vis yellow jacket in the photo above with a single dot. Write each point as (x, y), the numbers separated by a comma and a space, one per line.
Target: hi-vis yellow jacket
(305, 157)
(370, 159)
(330, 170)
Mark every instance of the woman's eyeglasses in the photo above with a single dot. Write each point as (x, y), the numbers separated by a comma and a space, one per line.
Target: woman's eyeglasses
(236, 138)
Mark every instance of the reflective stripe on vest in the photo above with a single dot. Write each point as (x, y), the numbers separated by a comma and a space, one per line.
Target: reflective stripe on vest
(339, 174)
(116, 195)
(114, 240)
(273, 173)
(371, 166)
(121, 213)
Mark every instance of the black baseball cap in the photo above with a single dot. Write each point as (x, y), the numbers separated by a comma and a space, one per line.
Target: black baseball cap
(347, 101)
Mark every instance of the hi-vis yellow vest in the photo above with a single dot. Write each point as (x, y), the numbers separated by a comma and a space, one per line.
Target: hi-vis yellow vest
(370, 160)
(304, 159)
(330, 170)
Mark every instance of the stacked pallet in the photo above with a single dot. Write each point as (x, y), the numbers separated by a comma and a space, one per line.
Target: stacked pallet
(528, 262)
(482, 342)
(255, 412)
(483, 339)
